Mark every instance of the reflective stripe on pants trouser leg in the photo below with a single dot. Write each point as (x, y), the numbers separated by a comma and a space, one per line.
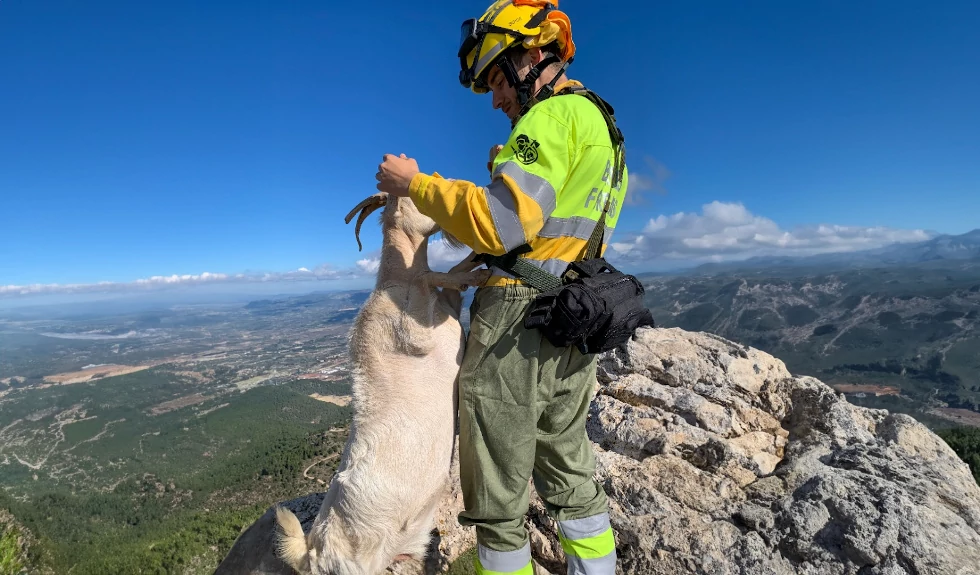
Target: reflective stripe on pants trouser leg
(590, 548)
(523, 407)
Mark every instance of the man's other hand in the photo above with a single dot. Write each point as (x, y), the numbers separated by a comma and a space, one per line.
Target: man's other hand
(395, 174)
(493, 154)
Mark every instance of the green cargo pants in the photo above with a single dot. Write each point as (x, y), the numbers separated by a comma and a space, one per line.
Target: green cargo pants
(522, 413)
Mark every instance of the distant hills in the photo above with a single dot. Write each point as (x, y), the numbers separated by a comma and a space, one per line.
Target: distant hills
(943, 248)
(897, 327)
(326, 300)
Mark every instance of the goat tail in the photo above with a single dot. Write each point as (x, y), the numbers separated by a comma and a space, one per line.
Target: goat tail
(291, 541)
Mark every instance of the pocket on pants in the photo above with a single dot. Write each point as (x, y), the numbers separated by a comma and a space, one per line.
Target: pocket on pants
(485, 318)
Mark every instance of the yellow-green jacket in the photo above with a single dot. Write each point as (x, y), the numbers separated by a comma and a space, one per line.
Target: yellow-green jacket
(548, 187)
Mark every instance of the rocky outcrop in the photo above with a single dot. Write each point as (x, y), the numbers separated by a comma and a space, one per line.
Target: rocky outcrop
(17, 546)
(718, 461)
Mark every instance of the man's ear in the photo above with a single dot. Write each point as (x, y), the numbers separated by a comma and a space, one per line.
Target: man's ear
(530, 59)
(535, 55)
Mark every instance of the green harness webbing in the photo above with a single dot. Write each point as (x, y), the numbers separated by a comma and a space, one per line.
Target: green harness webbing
(533, 275)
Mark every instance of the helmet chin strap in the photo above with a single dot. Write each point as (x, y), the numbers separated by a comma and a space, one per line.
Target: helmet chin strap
(524, 86)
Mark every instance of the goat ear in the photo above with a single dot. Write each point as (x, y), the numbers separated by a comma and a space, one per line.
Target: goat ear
(367, 206)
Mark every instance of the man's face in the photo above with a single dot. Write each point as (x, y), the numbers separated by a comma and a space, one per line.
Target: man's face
(504, 96)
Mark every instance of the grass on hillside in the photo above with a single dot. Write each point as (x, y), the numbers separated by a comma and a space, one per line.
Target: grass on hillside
(10, 553)
(185, 484)
(463, 565)
(965, 441)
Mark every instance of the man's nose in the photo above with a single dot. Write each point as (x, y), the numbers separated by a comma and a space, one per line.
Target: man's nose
(498, 101)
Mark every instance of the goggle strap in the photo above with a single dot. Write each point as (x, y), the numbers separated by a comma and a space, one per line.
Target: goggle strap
(524, 90)
(538, 18)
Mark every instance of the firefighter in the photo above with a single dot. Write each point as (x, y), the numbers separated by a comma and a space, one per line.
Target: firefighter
(523, 401)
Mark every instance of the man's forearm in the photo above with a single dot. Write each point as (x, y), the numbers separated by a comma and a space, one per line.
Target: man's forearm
(460, 208)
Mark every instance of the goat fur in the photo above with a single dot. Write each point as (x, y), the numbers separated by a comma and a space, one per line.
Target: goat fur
(406, 346)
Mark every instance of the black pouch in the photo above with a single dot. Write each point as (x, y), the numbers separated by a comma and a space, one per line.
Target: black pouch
(597, 308)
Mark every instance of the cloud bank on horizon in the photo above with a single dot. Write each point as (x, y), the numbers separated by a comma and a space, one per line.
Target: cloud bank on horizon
(729, 232)
(321, 273)
(720, 232)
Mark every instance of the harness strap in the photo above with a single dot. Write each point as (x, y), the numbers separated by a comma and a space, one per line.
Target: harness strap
(595, 240)
(521, 268)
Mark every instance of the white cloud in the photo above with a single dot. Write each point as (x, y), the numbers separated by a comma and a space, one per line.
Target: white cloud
(369, 265)
(324, 272)
(176, 279)
(443, 256)
(728, 231)
(147, 283)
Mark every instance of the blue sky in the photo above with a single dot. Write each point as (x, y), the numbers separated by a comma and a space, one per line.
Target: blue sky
(142, 139)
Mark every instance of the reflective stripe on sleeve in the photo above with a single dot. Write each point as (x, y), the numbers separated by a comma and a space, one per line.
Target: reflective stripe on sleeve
(575, 227)
(503, 211)
(535, 187)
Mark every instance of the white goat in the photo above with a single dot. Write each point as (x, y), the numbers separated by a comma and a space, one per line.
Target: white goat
(406, 346)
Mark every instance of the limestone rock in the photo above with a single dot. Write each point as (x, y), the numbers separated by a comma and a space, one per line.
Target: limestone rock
(718, 461)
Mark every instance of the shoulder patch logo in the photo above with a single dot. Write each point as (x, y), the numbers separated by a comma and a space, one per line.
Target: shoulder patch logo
(527, 149)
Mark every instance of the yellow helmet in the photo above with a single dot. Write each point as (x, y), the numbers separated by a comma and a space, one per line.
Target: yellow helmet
(506, 24)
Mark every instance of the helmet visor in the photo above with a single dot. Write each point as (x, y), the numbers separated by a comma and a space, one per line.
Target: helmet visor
(467, 37)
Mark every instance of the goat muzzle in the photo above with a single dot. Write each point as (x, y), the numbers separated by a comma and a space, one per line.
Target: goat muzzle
(367, 207)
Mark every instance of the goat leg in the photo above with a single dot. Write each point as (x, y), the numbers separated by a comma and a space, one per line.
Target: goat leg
(467, 265)
(453, 299)
(459, 281)
(453, 296)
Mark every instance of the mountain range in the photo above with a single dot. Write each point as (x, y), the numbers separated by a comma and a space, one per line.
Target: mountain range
(897, 327)
(943, 248)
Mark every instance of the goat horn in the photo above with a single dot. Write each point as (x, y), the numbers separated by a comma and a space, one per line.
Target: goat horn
(367, 206)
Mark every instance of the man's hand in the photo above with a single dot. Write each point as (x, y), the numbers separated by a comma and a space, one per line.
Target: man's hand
(395, 174)
(493, 154)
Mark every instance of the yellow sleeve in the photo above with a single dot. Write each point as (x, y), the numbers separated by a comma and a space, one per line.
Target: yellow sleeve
(460, 208)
